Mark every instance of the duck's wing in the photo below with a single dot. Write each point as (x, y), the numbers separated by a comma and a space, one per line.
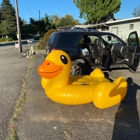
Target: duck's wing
(108, 94)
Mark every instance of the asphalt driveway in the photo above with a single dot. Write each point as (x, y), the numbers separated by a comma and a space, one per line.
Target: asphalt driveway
(43, 119)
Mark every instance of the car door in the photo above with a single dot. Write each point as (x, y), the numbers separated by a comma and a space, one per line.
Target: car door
(133, 50)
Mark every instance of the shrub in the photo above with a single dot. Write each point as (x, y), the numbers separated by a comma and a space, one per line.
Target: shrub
(41, 45)
(43, 42)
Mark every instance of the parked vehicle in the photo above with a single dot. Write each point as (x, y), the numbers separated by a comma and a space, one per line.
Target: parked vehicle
(103, 50)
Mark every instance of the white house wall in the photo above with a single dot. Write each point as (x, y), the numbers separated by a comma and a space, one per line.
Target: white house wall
(123, 29)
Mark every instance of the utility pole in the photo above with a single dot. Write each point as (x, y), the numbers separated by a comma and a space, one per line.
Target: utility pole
(18, 27)
(39, 14)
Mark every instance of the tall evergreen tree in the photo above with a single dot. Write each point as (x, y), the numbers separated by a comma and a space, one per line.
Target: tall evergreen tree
(94, 10)
(8, 19)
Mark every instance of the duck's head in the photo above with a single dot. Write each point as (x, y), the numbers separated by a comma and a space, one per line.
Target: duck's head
(56, 64)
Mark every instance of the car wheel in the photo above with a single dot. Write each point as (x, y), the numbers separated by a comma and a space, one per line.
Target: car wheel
(78, 68)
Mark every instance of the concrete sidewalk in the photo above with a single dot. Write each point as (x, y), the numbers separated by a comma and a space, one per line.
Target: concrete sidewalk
(43, 119)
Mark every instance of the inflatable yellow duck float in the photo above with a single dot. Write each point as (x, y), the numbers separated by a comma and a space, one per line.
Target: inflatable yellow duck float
(74, 90)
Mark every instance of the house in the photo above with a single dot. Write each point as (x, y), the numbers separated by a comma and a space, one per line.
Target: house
(121, 27)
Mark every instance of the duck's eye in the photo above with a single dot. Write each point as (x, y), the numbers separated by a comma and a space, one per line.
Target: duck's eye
(64, 59)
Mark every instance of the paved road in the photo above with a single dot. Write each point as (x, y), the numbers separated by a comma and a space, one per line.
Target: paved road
(11, 43)
(23, 42)
(43, 119)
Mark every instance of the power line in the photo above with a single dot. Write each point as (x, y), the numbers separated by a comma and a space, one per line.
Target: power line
(57, 8)
(28, 9)
(21, 12)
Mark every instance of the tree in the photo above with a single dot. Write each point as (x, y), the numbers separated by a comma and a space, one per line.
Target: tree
(136, 12)
(46, 24)
(54, 19)
(67, 21)
(37, 27)
(8, 19)
(95, 10)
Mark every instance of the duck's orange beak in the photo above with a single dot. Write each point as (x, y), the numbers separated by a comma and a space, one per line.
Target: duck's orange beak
(49, 69)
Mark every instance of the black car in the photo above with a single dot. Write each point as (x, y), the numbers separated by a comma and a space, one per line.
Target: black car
(89, 49)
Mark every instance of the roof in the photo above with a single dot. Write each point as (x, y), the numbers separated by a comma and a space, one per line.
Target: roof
(82, 31)
(123, 20)
(105, 24)
(90, 25)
